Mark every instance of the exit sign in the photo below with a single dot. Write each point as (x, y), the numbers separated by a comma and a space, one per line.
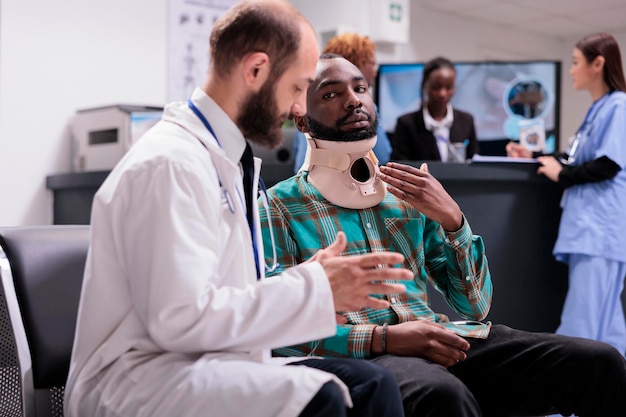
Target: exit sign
(389, 21)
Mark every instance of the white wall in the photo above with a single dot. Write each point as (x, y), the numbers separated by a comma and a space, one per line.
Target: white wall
(57, 57)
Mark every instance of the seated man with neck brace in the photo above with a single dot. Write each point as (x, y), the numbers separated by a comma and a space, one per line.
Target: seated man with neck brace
(345, 157)
(443, 368)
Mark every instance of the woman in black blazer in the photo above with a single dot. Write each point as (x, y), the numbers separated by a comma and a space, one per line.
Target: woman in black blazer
(424, 135)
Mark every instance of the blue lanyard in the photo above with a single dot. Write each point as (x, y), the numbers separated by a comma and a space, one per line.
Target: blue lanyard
(206, 124)
(579, 140)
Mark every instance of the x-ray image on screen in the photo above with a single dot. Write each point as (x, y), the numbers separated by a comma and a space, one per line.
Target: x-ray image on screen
(497, 94)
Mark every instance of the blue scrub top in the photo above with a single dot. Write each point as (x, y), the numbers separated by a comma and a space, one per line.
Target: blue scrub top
(593, 221)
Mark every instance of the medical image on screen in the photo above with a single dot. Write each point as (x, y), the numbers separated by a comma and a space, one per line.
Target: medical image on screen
(498, 94)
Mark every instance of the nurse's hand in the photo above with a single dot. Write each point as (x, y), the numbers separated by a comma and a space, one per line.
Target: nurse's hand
(354, 278)
(420, 189)
(518, 151)
(550, 167)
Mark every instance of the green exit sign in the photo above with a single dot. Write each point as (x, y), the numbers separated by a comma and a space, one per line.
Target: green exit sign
(395, 12)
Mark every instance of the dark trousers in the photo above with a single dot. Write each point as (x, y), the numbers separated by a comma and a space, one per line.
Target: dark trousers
(373, 389)
(516, 373)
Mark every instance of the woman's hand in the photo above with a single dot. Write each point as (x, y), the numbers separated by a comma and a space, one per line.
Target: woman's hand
(550, 167)
(518, 151)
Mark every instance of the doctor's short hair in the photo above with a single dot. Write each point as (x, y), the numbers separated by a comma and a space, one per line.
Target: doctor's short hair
(269, 26)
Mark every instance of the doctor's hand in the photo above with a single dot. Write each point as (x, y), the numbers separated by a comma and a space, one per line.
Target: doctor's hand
(354, 278)
(427, 340)
(420, 189)
(550, 167)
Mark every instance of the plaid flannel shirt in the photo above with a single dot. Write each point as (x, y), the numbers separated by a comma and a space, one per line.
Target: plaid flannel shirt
(455, 263)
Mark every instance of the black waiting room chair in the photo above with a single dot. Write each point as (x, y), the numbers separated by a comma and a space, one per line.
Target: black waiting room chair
(41, 270)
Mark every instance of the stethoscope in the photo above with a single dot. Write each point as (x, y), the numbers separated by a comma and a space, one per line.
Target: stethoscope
(231, 206)
(578, 140)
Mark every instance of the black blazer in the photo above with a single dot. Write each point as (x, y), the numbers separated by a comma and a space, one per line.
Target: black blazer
(412, 142)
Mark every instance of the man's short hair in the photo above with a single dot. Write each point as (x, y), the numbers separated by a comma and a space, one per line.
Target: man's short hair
(270, 26)
(330, 56)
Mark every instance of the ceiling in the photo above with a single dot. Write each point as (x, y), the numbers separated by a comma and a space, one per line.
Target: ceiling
(559, 19)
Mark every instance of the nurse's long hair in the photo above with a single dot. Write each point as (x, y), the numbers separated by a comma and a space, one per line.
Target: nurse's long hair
(604, 44)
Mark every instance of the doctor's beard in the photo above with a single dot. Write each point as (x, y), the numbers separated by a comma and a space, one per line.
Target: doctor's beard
(259, 118)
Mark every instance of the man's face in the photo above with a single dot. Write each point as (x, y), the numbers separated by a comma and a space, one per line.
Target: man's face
(264, 112)
(340, 107)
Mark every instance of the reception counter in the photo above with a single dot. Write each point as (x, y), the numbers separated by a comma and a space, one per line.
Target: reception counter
(73, 195)
(515, 210)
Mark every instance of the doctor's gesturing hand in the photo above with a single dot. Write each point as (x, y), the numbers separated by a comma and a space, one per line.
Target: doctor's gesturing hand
(354, 278)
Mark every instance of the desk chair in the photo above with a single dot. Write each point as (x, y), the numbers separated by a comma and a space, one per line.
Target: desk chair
(41, 269)
(10, 381)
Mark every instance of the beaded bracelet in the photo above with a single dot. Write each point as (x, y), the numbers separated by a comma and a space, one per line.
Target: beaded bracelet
(383, 340)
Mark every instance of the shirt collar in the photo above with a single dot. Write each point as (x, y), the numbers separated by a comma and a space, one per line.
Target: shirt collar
(228, 134)
(432, 124)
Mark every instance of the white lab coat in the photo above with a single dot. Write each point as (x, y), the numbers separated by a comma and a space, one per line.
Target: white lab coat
(172, 320)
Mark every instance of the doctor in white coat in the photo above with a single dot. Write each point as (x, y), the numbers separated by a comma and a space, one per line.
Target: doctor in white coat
(175, 317)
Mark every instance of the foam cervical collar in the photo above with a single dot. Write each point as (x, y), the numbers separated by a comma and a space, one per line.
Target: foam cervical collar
(345, 173)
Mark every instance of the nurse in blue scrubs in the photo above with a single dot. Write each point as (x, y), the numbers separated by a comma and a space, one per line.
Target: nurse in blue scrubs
(592, 232)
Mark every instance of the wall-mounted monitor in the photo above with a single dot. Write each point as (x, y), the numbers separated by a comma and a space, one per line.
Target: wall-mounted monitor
(498, 95)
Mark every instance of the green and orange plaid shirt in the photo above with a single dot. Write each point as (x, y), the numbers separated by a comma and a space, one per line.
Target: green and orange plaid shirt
(303, 222)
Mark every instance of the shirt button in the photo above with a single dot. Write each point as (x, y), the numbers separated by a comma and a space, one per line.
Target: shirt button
(369, 225)
(456, 243)
(393, 300)
(468, 278)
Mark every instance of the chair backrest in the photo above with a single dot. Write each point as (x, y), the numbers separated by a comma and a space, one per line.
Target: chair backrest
(10, 378)
(46, 265)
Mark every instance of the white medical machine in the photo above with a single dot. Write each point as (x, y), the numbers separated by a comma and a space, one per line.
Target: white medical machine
(102, 135)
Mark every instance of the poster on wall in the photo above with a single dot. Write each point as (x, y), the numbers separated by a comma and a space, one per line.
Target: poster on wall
(189, 26)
